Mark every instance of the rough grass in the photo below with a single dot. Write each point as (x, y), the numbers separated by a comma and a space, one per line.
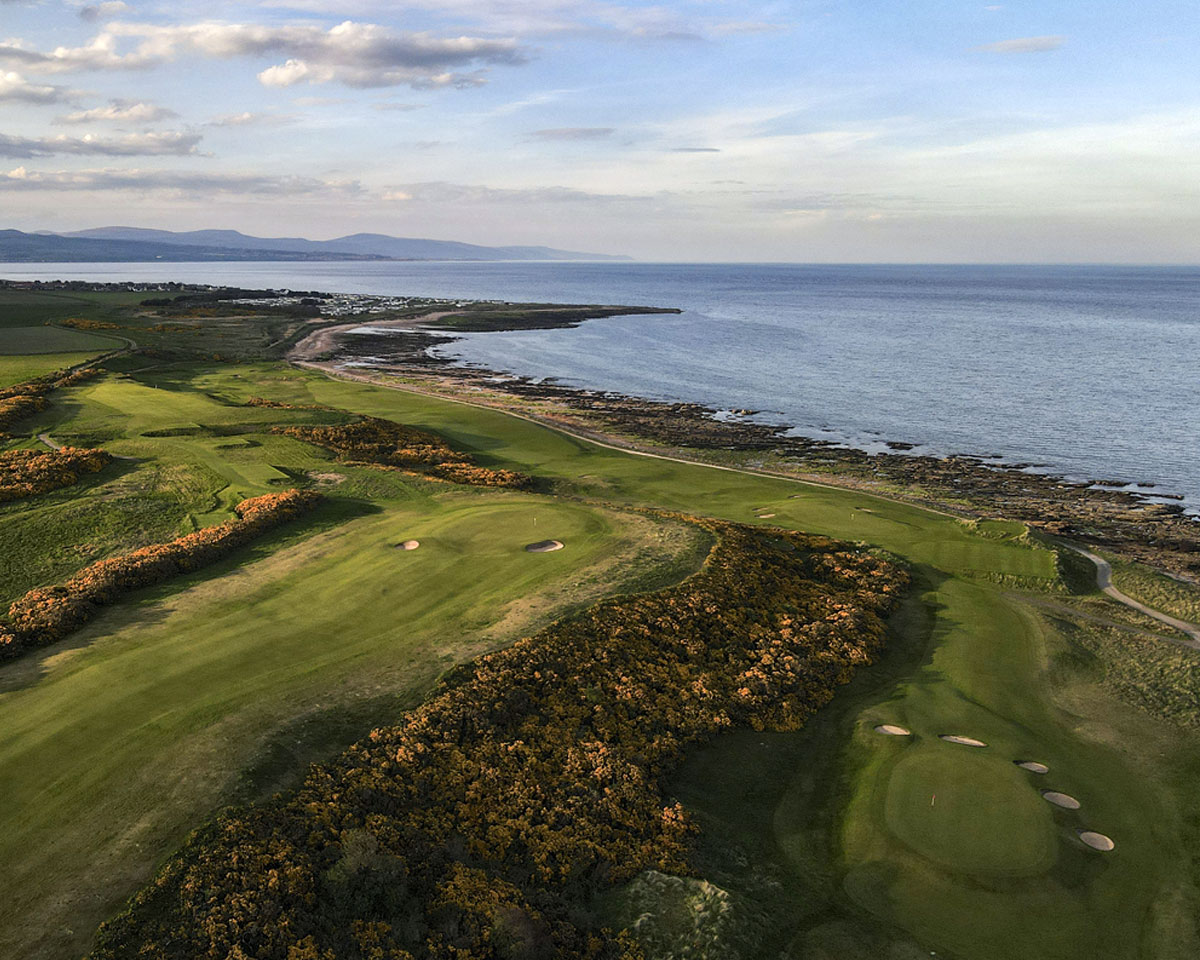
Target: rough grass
(1156, 590)
(1160, 678)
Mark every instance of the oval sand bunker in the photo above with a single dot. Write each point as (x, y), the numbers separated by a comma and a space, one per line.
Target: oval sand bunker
(892, 730)
(1097, 841)
(409, 544)
(1032, 766)
(765, 516)
(544, 546)
(964, 741)
(1064, 800)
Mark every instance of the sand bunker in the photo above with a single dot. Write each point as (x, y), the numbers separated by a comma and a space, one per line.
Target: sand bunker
(892, 730)
(409, 544)
(1097, 841)
(765, 516)
(1066, 801)
(1032, 766)
(965, 741)
(544, 546)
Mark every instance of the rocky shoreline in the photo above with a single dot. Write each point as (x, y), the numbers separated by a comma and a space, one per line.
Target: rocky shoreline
(1110, 515)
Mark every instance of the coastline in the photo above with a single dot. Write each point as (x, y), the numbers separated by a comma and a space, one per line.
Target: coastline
(1123, 519)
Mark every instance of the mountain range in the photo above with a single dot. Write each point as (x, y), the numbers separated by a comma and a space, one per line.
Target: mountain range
(134, 244)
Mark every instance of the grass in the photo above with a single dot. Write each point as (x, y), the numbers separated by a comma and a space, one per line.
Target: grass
(936, 796)
(36, 340)
(133, 730)
(17, 369)
(29, 308)
(825, 831)
(1171, 596)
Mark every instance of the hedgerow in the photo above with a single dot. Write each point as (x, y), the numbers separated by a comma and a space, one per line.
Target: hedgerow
(47, 614)
(484, 824)
(22, 399)
(383, 443)
(25, 473)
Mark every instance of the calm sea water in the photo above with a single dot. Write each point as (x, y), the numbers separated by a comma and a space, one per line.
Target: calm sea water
(1093, 372)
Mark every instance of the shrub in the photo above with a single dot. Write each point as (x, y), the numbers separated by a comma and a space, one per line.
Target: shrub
(383, 443)
(483, 825)
(24, 473)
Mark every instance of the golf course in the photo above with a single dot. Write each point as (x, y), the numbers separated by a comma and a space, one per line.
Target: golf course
(220, 686)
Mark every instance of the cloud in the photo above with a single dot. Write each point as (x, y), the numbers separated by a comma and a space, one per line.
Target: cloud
(1024, 45)
(598, 19)
(574, 133)
(734, 27)
(389, 106)
(201, 184)
(121, 111)
(133, 145)
(102, 11)
(14, 87)
(355, 54)
(441, 192)
(247, 119)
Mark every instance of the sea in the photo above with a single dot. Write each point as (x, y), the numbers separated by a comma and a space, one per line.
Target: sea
(1089, 372)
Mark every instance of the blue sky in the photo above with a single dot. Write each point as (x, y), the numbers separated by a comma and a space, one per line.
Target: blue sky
(704, 130)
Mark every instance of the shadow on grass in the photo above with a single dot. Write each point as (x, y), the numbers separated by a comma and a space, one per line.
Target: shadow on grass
(769, 805)
(145, 605)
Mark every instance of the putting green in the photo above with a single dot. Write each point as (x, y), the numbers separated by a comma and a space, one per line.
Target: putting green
(973, 814)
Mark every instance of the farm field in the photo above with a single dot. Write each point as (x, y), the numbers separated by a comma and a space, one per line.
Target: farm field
(180, 687)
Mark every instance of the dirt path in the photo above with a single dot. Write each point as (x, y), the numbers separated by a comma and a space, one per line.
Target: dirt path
(1104, 582)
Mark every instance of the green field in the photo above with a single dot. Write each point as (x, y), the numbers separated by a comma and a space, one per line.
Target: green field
(17, 341)
(128, 734)
(19, 368)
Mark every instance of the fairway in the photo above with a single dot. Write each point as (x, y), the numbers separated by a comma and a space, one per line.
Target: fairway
(182, 687)
(179, 692)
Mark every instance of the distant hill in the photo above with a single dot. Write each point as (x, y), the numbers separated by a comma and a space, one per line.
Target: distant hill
(139, 244)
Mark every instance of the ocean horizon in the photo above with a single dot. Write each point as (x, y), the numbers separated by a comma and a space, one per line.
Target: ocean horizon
(1087, 371)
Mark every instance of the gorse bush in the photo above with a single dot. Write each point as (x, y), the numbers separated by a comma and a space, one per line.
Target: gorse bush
(383, 443)
(484, 824)
(47, 614)
(23, 399)
(24, 473)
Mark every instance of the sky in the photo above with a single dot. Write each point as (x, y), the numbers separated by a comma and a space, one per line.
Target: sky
(688, 130)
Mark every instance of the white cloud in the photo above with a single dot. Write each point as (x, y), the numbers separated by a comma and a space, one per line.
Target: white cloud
(355, 54)
(15, 87)
(120, 111)
(201, 185)
(248, 119)
(1024, 45)
(592, 18)
(574, 133)
(133, 145)
(440, 192)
